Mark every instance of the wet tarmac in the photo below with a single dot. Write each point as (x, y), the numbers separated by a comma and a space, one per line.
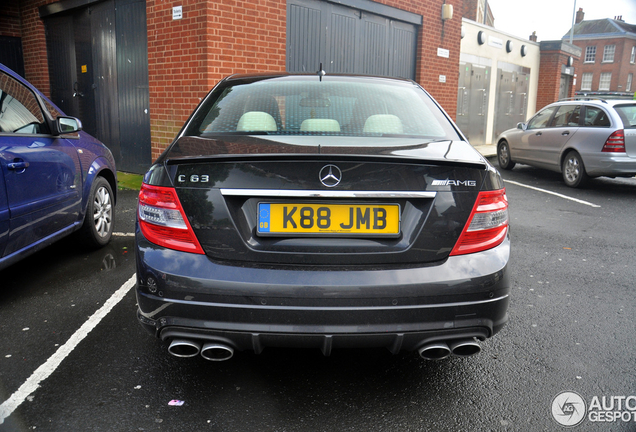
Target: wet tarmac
(571, 328)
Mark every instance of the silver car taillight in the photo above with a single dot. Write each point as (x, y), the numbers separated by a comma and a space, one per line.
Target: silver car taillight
(615, 143)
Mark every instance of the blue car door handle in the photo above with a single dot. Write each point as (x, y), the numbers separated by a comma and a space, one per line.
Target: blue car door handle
(18, 165)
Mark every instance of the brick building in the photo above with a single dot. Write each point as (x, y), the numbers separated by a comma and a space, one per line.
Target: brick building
(559, 61)
(608, 57)
(133, 71)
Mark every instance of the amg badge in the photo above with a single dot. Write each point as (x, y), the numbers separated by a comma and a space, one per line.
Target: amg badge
(447, 182)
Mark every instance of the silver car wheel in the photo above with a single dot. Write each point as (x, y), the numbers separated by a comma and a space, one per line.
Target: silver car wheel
(503, 156)
(573, 170)
(102, 212)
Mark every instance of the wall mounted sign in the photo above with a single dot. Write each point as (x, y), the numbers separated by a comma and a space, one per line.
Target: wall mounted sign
(495, 42)
(441, 52)
(177, 12)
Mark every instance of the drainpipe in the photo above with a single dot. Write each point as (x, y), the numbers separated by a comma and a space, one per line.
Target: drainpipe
(573, 18)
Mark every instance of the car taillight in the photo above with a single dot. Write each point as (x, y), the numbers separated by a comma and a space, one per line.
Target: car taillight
(615, 143)
(487, 225)
(162, 220)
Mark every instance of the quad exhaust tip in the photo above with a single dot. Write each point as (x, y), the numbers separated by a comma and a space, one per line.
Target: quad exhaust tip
(435, 351)
(441, 350)
(184, 348)
(464, 347)
(213, 351)
(218, 351)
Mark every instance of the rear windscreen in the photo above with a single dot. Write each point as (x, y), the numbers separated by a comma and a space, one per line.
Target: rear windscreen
(333, 106)
(627, 114)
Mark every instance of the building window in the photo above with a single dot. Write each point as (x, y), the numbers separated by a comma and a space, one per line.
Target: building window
(633, 57)
(604, 83)
(608, 53)
(590, 54)
(628, 87)
(586, 81)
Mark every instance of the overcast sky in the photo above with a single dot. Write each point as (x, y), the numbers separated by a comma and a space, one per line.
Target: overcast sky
(551, 19)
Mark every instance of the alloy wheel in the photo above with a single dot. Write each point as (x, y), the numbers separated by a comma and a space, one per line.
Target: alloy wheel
(102, 212)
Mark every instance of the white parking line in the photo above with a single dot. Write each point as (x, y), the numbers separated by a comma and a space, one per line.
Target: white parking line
(44, 371)
(118, 234)
(553, 193)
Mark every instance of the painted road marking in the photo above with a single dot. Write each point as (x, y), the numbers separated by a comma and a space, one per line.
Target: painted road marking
(118, 234)
(44, 371)
(553, 193)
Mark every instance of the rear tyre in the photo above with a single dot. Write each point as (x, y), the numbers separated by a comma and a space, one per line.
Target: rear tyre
(503, 156)
(573, 170)
(100, 215)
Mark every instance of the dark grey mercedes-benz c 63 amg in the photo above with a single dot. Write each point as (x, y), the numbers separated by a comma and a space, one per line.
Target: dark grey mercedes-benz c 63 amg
(321, 211)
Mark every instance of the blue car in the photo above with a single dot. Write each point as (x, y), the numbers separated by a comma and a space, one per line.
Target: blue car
(55, 179)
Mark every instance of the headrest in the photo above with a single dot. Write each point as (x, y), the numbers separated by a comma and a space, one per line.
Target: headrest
(257, 121)
(384, 124)
(320, 125)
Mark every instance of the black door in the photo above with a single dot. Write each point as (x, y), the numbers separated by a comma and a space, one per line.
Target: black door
(84, 84)
(98, 66)
(11, 54)
(132, 79)
(60, 45)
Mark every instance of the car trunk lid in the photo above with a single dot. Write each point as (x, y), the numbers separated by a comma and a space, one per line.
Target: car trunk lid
(232, 190)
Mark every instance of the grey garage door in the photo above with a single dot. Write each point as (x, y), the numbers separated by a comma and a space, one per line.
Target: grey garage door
(362, 38)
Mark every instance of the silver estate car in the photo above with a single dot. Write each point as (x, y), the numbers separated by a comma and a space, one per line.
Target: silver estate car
(579, 138)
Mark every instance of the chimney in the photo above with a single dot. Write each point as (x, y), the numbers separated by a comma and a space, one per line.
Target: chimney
(533, 36)
(579, 15)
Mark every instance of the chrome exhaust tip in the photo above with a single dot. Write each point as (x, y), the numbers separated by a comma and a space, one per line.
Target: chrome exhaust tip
(434, 351)
(184, 348)
(215, 351)
(464, 347)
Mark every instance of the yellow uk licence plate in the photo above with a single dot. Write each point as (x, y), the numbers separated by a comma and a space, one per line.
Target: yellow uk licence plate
(328, 219)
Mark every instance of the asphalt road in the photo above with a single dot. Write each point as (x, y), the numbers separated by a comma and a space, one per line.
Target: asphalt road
(572, 328)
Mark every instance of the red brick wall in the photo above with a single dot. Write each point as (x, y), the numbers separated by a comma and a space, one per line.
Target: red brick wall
(187, 57)
(10, 20)
(550, 77)
(215, 39)
(470, 10)
(429, 66)
(36, 67)
(620, 68)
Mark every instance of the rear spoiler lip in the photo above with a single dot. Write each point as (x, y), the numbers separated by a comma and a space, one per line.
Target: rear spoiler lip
(479, 164)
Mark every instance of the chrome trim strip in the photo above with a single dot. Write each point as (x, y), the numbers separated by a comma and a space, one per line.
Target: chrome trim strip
(326, 308)
(325, 193)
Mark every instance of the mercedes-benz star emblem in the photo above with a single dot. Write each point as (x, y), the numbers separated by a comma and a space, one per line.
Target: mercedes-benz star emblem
(330, 175)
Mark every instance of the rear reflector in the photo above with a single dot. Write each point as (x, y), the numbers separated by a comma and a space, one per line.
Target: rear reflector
(162, 220)
(487, 225)
(615, 143)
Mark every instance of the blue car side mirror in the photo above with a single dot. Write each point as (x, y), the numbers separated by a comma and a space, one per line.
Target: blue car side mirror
(66, 125)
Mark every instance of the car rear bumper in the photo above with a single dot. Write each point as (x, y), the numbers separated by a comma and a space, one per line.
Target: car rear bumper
(608, 164)
(252, 308)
